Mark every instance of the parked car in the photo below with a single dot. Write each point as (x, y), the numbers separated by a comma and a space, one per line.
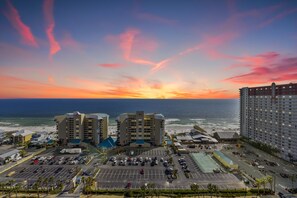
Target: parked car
(284, 175)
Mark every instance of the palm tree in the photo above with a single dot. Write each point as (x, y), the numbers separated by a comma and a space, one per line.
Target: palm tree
(36, 186)
(269, 179)
(195, 188)
(23, 153)
(151, 188)
(16, 189)
(264, 182)
(258, 184)
(175, 173)
(210, 189)
(10, 182)
(51, 181)
(45, 182)
(215, 189)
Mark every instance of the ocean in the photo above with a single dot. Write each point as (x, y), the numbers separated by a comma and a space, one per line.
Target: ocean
(209, 113)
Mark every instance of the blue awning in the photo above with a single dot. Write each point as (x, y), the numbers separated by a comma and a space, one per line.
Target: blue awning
(107, 143)
(139, 142)
(74, 141)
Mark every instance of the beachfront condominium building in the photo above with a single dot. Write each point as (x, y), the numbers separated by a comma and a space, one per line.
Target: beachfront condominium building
(268, 115)
(22, 136)
(75, 127)
(140, 129)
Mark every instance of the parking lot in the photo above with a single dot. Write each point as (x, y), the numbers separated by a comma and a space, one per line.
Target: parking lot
(60, 168)
(123, 170)
(34, 172)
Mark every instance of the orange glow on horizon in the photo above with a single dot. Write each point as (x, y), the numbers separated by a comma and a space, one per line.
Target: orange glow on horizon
(14, 87)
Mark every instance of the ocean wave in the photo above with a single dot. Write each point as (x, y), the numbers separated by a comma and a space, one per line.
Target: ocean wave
(171, 120)
(197, 119)
(5, 123)
(180, 125)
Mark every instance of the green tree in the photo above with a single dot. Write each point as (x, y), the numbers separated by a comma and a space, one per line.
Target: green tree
(16, 189)
(36, 185)
(195, 188)
(210, 189)
(170, 160)
(151, 187)
(258, 184)
(175, 173)
(269, 179)
(143, 190)
(23, 153)
(264, 182)
(51, 182)
(45, 183)
(215, 189)
(10, 183)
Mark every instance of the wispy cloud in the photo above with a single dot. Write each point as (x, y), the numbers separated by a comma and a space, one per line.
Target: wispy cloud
(278, 16)
(127, 42)
(207, 45)
(111, 65)
(50, 25)
(266, 67)
(155, 18)
(69, 42)
(14, 18)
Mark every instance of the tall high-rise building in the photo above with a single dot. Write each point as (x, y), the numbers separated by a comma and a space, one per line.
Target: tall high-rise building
(268, 115)
(140, 129)
(76, 127)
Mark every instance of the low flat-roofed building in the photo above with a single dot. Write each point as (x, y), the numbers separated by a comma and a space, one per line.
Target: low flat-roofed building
(184, 138)
(227, 162)
(226, 136)
(21, 136)
(204, 139)
(5, 157)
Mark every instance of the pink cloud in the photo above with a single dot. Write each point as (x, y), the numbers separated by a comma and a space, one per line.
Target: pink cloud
(110, 65)
(278, 17)
(25, 32)
(50, 25)
(162, 64)
(267, 67)
(69, 42)
(208, 45)
(129, 41)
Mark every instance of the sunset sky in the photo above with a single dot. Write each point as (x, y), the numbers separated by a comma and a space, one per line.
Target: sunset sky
(144, 49)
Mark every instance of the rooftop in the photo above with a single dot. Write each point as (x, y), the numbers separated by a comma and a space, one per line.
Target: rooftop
(227, 135)
(22, 132)
(9, 153)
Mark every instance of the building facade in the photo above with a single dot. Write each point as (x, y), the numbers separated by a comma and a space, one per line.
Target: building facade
(75, 127)
(268, 115)
(22, 136)
(140, 129)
